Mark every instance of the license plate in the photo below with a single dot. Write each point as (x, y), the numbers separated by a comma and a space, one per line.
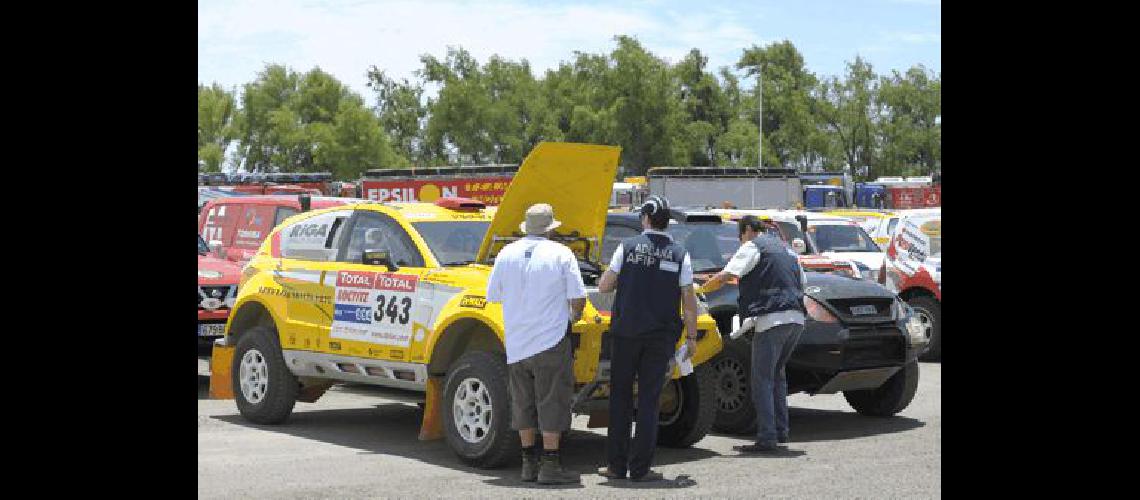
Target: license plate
(860, 310)
(211, 329)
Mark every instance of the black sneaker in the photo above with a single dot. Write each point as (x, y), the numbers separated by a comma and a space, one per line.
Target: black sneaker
(648, 476)
(783, 438)
(756, 448)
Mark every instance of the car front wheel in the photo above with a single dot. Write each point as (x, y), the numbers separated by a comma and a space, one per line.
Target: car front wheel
(476, 410)
(264, 388)
(888, 399)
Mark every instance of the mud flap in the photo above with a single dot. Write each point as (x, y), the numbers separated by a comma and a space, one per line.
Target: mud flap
(432, 426)
(221, 361)
(311, 393)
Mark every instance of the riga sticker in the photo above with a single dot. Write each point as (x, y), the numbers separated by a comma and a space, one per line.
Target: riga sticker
(374, 307)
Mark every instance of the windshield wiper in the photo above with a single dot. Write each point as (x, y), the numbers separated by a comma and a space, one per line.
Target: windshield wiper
(458, 263)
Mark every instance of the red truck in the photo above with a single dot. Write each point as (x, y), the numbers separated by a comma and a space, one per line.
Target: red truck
(486, 183)
(904, 197)
(240, 223)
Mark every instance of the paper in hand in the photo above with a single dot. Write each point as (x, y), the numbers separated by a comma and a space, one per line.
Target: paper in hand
(683, 361)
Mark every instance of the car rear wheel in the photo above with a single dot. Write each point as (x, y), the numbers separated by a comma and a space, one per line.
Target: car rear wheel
(929, 312)
(264, 388)
(692, 410)
(890, 398)
(476, 410)
(730, 370)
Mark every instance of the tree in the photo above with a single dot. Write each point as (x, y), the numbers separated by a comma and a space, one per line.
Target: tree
(846, 109)
(401, 111)
(309, 122)
(646, 109)
(788, 121)
(911, 106)
(706, 107)
(216, 109)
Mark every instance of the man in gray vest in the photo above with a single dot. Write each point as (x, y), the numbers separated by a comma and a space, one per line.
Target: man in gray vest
(771, 290)
(653, 276)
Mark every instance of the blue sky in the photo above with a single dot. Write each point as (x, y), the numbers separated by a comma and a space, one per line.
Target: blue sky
(236, 38)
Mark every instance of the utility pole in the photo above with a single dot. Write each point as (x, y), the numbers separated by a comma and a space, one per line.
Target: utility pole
(760, 110)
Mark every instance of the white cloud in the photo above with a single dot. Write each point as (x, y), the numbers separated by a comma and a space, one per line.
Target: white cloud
(236, 39)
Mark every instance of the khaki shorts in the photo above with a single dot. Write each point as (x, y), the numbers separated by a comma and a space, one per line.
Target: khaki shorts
(542, 388)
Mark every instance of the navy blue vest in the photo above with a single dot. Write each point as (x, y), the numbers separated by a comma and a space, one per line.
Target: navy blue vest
(648, 300)
(774, 284)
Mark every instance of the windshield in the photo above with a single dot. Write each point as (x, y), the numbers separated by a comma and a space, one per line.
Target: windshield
(842, 238)
(202, 248)
(710, 246)
(453, 243)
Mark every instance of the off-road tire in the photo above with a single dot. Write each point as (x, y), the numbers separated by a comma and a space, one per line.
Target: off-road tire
(501, 444)
(734, 359)
(934, 310)
(281, 388)
(890, 398)
(698, 410)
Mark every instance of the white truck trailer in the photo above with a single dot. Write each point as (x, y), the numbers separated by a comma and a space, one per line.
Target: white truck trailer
(715, 186)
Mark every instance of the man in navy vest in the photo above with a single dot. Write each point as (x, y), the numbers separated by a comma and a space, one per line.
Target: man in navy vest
(653, 277)
(771, 290)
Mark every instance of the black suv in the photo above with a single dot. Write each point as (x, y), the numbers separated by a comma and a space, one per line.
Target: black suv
(855, 338)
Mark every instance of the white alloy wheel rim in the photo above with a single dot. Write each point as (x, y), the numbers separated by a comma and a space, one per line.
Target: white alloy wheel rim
(927, 323)
(471, 410)
(254, 376)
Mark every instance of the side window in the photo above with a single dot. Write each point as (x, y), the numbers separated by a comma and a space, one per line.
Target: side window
(282, 214)
(253, 226)
(220, 222)
(315, 238)
(374, 231)
(612, 238)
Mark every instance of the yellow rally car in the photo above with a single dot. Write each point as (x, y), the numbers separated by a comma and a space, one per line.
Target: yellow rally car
(392, 295)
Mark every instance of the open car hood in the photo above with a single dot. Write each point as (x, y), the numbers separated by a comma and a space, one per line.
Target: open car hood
(575, 179)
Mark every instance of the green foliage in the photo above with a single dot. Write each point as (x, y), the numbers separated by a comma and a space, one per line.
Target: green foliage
(310, 122)
(659, 113)
(216, 109)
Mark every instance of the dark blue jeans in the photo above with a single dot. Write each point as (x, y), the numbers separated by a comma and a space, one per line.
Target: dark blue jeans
(771, 349)
(645, 360)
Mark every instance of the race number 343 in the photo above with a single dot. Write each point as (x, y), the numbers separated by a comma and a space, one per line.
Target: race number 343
(397, 309)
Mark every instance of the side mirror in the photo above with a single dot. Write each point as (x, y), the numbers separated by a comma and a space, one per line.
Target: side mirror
(378, 258)
(217, 249)
(799, 246)
(306, 201)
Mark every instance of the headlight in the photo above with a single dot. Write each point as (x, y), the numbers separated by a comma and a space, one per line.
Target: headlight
(817, 312)
(205, 273)
(900, 310)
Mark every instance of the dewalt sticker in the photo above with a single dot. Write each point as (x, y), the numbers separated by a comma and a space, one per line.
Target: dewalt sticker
(473, 302)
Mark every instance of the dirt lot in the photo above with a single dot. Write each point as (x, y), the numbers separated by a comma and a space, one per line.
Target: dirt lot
(354, 444)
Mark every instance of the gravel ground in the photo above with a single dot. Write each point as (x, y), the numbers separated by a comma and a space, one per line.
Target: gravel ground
(352, 444)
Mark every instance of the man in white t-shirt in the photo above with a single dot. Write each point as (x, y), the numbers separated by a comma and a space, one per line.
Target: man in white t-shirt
(540, 286)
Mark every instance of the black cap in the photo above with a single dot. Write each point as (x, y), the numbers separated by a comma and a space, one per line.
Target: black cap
(657, 208)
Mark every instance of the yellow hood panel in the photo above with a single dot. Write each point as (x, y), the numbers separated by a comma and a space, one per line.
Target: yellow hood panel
(575, 179)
